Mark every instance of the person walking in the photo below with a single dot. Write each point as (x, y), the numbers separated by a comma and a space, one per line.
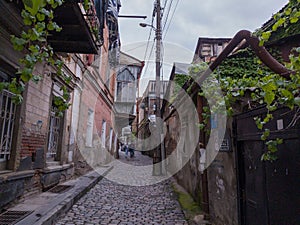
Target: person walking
(126, 150)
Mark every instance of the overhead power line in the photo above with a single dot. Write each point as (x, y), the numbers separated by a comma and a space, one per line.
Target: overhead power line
(167, 16)
(148, 60)
(171, 19)
(150, 33)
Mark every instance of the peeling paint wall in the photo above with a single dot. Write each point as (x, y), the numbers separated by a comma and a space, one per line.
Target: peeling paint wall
(222, 186)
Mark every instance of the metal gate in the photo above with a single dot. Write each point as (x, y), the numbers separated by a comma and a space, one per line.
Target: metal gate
(7, 119)
(269, 192)
(54, 134)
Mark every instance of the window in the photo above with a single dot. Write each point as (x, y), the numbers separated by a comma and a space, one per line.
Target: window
(54, 134)
(219, 48)
(55, 130)
(75, 116)
(103, 133)
(107, 78)
(78, 71)
(126, 86)
(7, 119)
(110, 138)
(89, 129)
(152, 87)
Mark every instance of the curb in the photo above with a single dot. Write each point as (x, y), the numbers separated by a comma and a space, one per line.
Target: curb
(49, 211)
(192, 218)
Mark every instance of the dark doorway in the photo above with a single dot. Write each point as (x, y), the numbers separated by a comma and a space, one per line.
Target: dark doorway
(269, 192)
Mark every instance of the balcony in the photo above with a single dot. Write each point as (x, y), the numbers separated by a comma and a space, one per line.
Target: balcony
(80, 28)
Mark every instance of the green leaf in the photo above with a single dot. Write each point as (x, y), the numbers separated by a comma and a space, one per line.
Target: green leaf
(50, 26)
(288, 11)
(268, 118)
(294, 19)
(53, 26)
(40, 27)
(269, 98)
(59, 2)
(265, 135)
(18, 43)
(279, 141)
(266, 35)
(45, 12)
(287, 94)
(258, 123)
(3, 85)
(42, 39)
(34, 48)
(27, 18)
(272, 107)
(33, 6)
(26, 74)
(297, 101)
(36, 78)
(40, 17)
(17, 99)
(269, 86)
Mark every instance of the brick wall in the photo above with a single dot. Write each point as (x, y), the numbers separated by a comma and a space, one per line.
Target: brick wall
(31, 142)
(37, 107)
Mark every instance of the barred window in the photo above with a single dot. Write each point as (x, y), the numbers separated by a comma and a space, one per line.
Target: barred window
(7, 119)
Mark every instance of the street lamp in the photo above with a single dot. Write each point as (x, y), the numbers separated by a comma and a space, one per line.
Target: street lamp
(147, 25)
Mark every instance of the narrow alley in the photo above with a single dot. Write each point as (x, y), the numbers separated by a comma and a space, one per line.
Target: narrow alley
(112, 203)
(209, 90)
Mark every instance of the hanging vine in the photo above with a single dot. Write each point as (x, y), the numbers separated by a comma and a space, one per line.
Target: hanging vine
(38, 18)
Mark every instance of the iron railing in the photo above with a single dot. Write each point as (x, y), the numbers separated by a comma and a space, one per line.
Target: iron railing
(54, 134)
(7, 120)
(90, 15)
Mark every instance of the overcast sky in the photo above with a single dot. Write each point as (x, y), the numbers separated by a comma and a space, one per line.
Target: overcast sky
(192, 19)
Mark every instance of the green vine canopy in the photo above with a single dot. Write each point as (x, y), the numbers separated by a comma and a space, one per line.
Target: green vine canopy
(38, 18)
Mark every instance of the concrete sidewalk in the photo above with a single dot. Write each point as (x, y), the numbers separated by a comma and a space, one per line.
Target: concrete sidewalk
(47, 206)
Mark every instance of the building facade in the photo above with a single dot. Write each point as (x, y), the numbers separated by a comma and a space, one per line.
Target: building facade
(147, 115)
(237, 187)
(38, 148)
(209, 48)
(126, 94)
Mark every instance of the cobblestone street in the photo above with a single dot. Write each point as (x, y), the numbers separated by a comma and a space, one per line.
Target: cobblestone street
(112, 203)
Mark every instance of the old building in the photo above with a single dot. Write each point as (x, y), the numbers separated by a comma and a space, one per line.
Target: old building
(209, 48)
(39, 149)
(147, 117)
(180, 131)
(126, 94)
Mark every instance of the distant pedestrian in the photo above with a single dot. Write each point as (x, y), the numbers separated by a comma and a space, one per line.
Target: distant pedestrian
(131, 151)
(126, 150)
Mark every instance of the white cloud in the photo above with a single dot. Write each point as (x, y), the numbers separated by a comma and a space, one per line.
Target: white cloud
(192, 19)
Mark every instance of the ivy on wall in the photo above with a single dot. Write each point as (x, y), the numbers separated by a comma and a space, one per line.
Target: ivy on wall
(284, 24)
(38, 18)
(244, 77)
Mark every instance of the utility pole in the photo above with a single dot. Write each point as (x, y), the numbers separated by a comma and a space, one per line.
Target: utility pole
(157, 170)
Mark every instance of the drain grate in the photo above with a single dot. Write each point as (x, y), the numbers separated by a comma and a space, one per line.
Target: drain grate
(60, 188)
(12, 217)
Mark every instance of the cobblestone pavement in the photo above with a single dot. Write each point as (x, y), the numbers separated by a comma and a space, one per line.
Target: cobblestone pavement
(112, 203)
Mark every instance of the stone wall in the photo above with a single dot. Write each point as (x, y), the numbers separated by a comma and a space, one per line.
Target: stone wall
(18, 186)
(179, 143)
(222, 186)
